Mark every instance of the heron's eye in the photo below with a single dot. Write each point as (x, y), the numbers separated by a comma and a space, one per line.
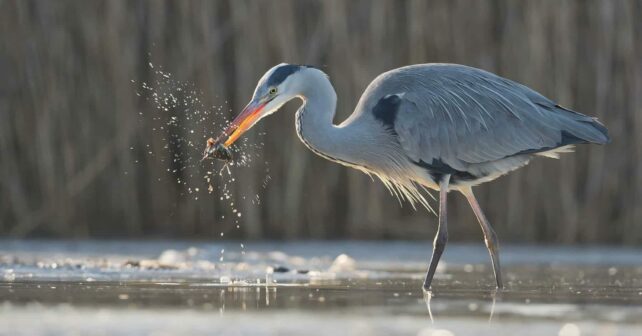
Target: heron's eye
(273, 91)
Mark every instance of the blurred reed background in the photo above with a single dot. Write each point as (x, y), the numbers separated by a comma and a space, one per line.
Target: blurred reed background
(69, 114)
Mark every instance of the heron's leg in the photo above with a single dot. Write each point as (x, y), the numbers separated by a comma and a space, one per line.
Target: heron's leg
(441, 238)
(489, 234)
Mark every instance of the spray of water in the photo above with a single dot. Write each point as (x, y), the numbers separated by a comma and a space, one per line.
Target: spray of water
(184, 122)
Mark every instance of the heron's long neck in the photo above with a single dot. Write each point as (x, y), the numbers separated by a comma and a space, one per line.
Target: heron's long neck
(314, 124)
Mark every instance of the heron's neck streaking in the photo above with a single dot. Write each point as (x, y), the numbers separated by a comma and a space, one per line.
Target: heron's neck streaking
(314, 122)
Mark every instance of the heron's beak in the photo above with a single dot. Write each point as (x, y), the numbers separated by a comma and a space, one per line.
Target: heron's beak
(244, 121)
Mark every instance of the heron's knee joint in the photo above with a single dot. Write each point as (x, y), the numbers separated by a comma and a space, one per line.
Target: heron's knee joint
(440, 240)
(492, 244)
(493, 237)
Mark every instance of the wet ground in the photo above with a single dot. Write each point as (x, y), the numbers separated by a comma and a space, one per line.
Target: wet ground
(314, 288)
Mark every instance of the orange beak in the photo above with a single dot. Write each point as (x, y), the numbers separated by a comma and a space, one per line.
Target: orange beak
(241, 123)
(244, 121)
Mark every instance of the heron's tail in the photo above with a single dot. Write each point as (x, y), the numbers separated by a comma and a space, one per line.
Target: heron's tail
(583, 129)
(602, 129)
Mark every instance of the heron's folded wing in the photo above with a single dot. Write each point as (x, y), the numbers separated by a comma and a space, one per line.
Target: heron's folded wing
(467, 117)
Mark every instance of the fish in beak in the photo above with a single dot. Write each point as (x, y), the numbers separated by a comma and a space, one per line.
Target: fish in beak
(215, 150)
(245, 120)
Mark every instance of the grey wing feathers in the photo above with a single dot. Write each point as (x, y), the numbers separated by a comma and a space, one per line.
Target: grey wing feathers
(460, 116)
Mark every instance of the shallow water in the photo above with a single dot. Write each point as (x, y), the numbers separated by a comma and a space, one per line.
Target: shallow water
(314, 288)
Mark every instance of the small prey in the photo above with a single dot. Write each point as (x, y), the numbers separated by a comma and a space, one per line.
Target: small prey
(217, 150)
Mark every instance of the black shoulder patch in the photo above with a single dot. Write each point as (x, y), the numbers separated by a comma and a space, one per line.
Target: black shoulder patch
(386, 110)
(281, 73)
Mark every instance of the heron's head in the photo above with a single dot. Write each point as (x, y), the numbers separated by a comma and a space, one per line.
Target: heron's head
(279, 85)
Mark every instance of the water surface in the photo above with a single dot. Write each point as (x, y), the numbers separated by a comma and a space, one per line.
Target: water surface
(314, 288)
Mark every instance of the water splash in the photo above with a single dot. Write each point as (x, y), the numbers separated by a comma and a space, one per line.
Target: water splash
(183, 121)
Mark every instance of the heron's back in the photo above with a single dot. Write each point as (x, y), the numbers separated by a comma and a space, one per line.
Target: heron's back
(458, 120)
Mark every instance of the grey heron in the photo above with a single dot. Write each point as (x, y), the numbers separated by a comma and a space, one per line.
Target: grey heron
(438, 126)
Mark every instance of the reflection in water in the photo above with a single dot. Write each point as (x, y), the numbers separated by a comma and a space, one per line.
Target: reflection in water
(242, 297)
(427, 298)
(473, 306)
(221, 308)
(316, 289)
(399, 302)
(493, 295)
(331, 306)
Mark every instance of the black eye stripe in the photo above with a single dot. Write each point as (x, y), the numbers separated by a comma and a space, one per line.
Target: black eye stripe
(281, 73)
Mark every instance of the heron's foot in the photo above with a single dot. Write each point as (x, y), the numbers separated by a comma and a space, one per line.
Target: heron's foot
(426, 288)
(498, 274)
(430, 274)
(500, 285)
(427, 293)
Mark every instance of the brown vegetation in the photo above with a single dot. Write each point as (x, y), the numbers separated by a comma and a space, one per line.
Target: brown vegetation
(69, 114)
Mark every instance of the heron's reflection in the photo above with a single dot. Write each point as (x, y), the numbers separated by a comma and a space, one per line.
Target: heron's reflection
(493, 296)
(428, 295)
